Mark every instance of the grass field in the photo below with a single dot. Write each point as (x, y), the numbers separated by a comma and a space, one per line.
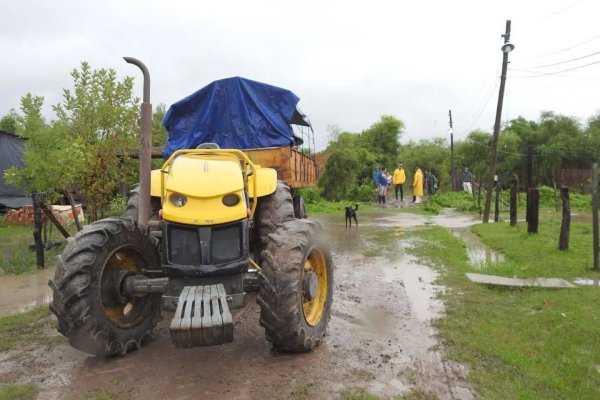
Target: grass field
(16, 257)
(523, 343)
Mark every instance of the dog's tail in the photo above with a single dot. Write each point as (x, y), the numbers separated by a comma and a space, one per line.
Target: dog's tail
(355, 207)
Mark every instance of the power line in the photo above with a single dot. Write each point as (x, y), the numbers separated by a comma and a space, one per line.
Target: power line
(570, 47)
(538, 74)
(485, 104)
(563, 62)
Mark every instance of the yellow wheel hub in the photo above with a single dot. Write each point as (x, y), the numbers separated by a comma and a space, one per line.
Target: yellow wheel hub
(314, 280)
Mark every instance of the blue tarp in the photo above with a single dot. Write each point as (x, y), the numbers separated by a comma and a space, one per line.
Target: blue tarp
(234, 113)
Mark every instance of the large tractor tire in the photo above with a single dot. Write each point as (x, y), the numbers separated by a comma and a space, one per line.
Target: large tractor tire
(133, 205)
(92, 311)
(271, 210)
(296, 289)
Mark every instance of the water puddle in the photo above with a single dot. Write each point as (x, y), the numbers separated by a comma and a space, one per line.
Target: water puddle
(478, 252)
(418, 282)
(19, 293)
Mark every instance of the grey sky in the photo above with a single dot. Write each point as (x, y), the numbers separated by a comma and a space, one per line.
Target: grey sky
(348, 61)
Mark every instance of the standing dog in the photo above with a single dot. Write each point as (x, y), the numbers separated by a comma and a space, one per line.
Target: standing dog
(351, 213)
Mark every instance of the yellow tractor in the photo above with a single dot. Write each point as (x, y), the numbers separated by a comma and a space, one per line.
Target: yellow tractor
(214, 215)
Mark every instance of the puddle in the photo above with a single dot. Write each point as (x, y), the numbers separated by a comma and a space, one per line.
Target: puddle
(19, 293)
(586, 282)
(478, 252)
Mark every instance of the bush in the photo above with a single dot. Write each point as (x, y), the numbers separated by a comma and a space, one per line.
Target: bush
(363, 194)
(311, 195)
(461, 201)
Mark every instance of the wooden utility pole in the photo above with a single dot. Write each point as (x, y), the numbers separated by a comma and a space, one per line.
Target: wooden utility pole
(595, 214)
(506, 48)
(497, 205)
(452, 151)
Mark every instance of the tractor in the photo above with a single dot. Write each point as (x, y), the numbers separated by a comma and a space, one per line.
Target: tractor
(215, 220)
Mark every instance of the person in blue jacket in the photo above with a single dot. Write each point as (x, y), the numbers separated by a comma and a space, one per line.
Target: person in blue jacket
(382, 185)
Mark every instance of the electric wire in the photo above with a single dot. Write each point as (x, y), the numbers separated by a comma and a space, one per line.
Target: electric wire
(563, 62)
(538, 74)
(482, 109)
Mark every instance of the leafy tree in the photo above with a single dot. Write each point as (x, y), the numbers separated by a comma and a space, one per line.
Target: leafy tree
(9, 122)
(434, 153)
(50, 156)
(159, 133)
(102, 114)
(383, 139)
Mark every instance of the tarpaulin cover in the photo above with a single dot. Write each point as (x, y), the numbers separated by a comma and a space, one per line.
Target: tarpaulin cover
(11, 155)
(234, 113)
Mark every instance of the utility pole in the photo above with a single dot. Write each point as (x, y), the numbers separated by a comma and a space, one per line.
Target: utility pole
(506, 48)
(452, 151)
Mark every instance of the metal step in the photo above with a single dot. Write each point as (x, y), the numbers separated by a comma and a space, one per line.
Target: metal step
(202, 317)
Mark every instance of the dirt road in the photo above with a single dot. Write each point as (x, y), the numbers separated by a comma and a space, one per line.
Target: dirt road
(379, 339)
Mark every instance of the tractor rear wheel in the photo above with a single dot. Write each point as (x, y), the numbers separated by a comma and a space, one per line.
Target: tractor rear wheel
(133, 205)
(88, 300)
(271, 210)
(296, 289)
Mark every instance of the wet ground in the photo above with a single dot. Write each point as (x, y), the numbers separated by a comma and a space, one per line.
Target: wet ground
(380, 335)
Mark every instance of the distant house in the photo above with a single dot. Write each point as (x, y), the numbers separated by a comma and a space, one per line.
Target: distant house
(11, 154)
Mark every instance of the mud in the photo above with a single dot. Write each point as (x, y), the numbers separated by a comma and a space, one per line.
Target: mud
(380, 338)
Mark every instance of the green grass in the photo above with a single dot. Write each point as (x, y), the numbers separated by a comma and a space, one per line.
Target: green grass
(18, 392)
(358, 393)
(19, 330)
(524, 343)
(15, 255)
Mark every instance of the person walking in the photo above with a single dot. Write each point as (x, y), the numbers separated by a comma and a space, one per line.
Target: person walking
(417, 185)
(467, 177)
(398, 181)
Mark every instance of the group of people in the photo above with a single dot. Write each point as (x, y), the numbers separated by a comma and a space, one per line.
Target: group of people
(383, 182)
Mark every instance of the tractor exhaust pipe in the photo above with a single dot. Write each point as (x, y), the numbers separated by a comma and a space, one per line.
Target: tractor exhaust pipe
(145, 144)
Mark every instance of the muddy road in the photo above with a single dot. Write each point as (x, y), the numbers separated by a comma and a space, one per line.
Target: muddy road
(380, 336)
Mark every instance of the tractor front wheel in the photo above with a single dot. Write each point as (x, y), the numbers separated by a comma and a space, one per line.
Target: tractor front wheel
(93, 311)
(296, 289)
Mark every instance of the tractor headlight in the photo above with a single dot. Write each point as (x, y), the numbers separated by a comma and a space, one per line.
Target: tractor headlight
(231, 200)
(178, 200)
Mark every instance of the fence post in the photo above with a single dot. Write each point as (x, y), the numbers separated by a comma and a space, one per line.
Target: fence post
(513, 204)
(38, 199)
(497, 201)
(595, 213)
(565, 227)
(533, 210)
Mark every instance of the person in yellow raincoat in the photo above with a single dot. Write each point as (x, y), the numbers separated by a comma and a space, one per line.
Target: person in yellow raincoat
(398, 181)
(417, 185)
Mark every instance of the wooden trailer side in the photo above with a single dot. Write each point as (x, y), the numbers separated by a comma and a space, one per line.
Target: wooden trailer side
(295, 168)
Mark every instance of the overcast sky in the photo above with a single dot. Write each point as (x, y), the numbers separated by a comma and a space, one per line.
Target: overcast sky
(349, 62)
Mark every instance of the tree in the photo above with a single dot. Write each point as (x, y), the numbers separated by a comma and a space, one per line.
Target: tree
(9, 122)
(383, 139)
(159, 133)
(103, 115)
(95, 119)
(51, 158)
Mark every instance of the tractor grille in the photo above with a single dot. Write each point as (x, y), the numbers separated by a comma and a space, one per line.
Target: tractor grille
(206, 245)
(184, 246)
(226, 243)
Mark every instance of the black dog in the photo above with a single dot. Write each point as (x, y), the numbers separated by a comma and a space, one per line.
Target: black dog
(351, 213)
